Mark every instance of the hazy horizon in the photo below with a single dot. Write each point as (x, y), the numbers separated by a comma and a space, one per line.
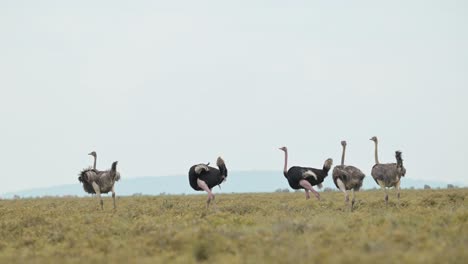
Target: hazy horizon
(160, 86)
(259, 182)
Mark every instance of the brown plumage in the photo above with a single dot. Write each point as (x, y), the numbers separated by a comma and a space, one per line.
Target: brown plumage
(347, 177)
(388, 175)
(97, 182)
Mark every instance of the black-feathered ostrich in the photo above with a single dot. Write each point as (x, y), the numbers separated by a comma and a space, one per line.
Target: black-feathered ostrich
(388, 175)
(304, 177)
(97, 182)
(203, 177)
(347, 177)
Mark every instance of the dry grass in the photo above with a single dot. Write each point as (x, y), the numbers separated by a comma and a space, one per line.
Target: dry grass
(430, 226)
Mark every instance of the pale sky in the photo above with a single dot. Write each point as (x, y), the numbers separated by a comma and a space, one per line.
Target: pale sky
(161, 85)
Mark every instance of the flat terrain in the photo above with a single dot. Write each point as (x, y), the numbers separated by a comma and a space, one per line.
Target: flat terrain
(429, 226)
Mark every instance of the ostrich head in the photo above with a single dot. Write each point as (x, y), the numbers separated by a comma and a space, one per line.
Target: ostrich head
(374, 139)
(93, 154)
(328, 164)
(343, 143)
(284, 149)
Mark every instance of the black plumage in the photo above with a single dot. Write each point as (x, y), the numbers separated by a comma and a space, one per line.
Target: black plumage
(295, 174)
(203, 177)
(305, 177)
(212, 177)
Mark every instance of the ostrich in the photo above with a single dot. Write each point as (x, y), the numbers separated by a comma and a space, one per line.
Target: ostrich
(100, 181)
(203, 177)
(388, 175)
(305, 178)
(347, 177)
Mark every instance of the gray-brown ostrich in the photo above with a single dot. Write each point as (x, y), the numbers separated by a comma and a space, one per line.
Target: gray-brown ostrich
(203, 178)
(347, 177)
(304, 177)
(388, 175)
(100, 181)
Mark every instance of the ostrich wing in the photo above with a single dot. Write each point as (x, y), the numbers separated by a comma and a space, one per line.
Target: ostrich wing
(200, 168)
(388, 174)
(309, 173)
(87, 176)
(354, 173)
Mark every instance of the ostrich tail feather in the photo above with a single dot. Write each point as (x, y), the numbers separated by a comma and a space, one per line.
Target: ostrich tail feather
(220, 162)
(399, 159)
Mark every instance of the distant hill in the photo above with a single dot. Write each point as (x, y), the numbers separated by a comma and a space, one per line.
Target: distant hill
(237, 182)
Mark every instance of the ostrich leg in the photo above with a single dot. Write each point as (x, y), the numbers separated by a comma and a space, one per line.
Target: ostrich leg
(98, 193)
(306, 185)
(382, 185)
(113, 197)
(307, 194)
(386, 196)
(204, 187)
(352, 202)
(214, 202)
(343, 189)
(397, 187)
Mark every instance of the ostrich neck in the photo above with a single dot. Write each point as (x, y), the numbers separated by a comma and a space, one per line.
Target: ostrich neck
(95, 158)
(343, 156)
(376, 154)
(285, 170)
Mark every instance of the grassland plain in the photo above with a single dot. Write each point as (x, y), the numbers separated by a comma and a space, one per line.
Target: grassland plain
(430, 226)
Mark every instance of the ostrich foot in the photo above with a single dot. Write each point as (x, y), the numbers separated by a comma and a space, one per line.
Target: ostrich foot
(215, 204)
(317, 195)
(307, 196)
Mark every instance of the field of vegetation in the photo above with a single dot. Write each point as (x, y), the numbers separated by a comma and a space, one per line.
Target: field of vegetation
(429, 226)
